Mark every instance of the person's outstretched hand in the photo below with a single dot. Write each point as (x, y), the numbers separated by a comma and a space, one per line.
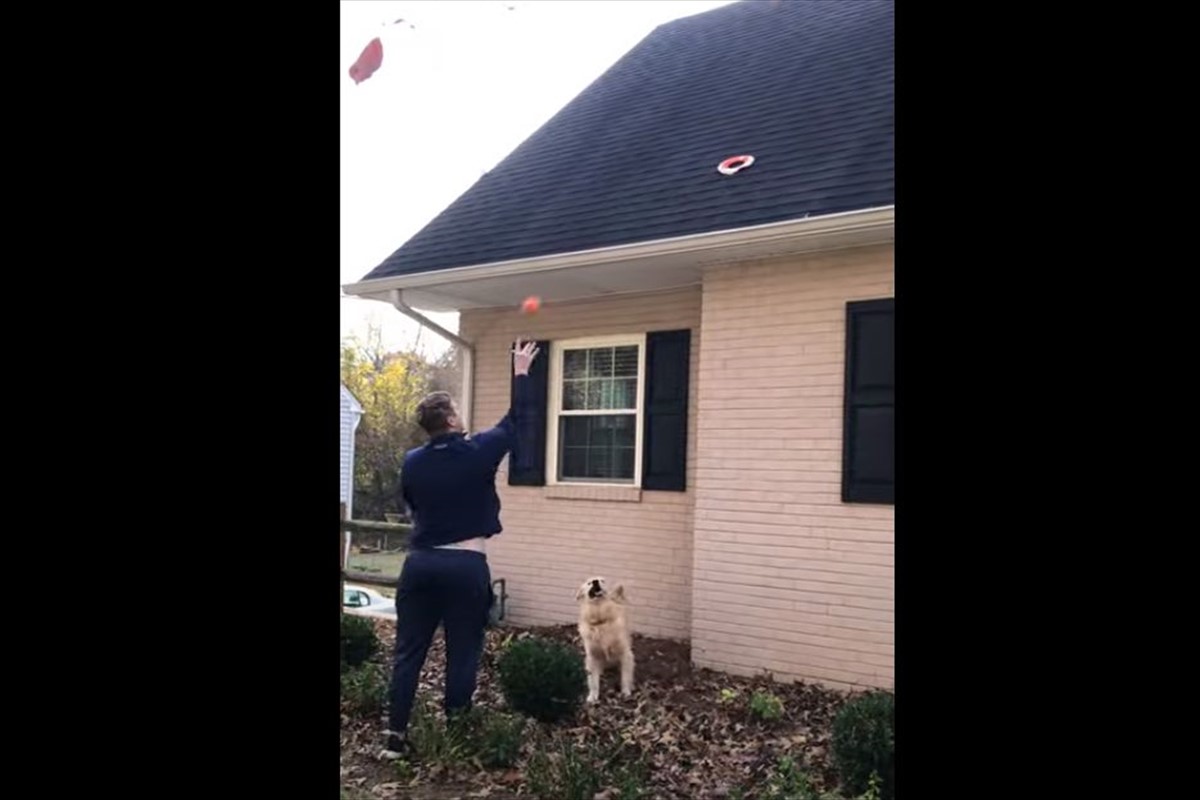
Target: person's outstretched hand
(523, 356)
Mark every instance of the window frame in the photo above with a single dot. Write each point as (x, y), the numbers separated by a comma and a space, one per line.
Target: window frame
(554, 410)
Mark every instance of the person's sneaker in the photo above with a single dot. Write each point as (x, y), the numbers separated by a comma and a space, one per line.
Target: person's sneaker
(397, 746)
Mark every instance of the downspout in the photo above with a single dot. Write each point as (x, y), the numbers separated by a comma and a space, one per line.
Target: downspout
(466, 401)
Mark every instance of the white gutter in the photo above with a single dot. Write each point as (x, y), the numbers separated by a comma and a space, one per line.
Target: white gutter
(797, 230)
(466, 348)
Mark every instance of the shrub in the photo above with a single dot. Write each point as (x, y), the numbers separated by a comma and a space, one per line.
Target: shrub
(493, 738)
(490, 737)
(542, 678)
(614, 769)
(863, 743)
(766, 706)
(436, 743)
(562, 774)
(364, 689)
(873, 788)
(788, 782)
(359, 641)
(629, 780)
(500, 739)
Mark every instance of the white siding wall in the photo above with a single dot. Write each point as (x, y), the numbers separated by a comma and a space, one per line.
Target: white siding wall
(787, 577)
(350, 414)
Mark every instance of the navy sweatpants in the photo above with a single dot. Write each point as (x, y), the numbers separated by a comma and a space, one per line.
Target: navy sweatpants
(450, 587)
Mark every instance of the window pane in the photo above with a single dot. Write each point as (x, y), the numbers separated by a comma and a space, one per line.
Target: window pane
(574, 432)
(624, 393)
(624, 430)
(594, 399)
(600, 362)
(599, 463)
(625, 461)
(625, 362)
(588, 379)
(573, 463)
(599, 434)
(574, 395)
(575, 364)
(597, 448)
(607, 391)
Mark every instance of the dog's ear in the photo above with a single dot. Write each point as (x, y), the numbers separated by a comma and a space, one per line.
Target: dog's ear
(578, 594)
(618, 593)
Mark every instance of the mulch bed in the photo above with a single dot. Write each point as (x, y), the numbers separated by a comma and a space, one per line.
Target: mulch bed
(699, 743)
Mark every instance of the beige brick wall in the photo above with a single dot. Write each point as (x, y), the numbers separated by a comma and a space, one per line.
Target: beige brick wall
(555, 537)
(787, 577)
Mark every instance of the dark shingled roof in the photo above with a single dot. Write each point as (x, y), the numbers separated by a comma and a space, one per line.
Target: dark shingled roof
(805, 86)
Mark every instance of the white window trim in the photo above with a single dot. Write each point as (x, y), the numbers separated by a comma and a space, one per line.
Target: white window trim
(555, 404)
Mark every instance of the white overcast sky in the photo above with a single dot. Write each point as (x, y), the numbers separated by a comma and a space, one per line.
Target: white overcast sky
(454, 96)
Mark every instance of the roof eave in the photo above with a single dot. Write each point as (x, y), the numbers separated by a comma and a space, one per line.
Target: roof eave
(830, 231)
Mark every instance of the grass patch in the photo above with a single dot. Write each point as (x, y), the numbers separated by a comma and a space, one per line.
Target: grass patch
(386, 565)
(569, 770)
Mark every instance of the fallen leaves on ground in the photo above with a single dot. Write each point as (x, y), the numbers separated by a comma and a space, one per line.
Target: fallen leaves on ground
(693, 727)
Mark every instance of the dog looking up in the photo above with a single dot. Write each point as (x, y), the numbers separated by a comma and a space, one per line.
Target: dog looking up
(604, 629)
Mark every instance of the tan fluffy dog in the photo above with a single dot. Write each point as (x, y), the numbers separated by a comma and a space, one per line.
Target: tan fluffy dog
(604, 629)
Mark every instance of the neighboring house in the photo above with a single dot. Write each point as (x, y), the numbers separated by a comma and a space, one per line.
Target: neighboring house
(715, 428)
(352, 412)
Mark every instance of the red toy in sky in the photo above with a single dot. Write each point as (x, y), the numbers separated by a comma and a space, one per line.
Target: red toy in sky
(368, 62)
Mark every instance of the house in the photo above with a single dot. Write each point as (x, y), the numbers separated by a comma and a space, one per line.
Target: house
(352, 412)
(716, 424)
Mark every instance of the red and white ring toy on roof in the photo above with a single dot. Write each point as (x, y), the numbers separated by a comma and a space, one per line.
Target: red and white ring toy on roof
(731, 166)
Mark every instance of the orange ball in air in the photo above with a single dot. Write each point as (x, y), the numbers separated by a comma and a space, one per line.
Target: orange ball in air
(531, 304)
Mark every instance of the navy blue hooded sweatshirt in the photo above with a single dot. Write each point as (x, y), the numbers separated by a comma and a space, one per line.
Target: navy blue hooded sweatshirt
(449, 484)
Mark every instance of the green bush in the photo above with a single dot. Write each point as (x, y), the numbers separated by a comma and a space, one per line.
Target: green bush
(574, 770)
(491, 738)
(562, 774)
(498, 739)
(542, 678)
(788, 782)
(630, 780)
(766, 706)
(359, 641)
(364, 689)
(873, 791)
(434, 742)
(864, 743)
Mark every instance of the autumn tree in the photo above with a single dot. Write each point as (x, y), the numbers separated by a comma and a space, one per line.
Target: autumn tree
(388, 385)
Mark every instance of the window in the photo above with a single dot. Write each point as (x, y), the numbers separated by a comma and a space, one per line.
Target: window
(611, 410)
(868, 453)
(595, 430)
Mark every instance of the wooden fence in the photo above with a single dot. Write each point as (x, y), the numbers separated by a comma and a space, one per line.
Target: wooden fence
(395, 535)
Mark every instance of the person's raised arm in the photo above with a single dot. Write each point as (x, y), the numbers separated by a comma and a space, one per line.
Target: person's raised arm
(499, 440)
(406, 501)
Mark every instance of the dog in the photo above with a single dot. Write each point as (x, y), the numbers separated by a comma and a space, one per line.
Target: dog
(604, 629)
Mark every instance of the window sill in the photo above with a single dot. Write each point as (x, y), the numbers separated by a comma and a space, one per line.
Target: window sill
(616, 494)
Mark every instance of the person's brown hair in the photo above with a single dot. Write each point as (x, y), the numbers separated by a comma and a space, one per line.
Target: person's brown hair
(434, 411)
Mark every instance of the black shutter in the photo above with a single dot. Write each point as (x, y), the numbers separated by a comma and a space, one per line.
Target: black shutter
(869, 431)
(664, 442)
(527, 460)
